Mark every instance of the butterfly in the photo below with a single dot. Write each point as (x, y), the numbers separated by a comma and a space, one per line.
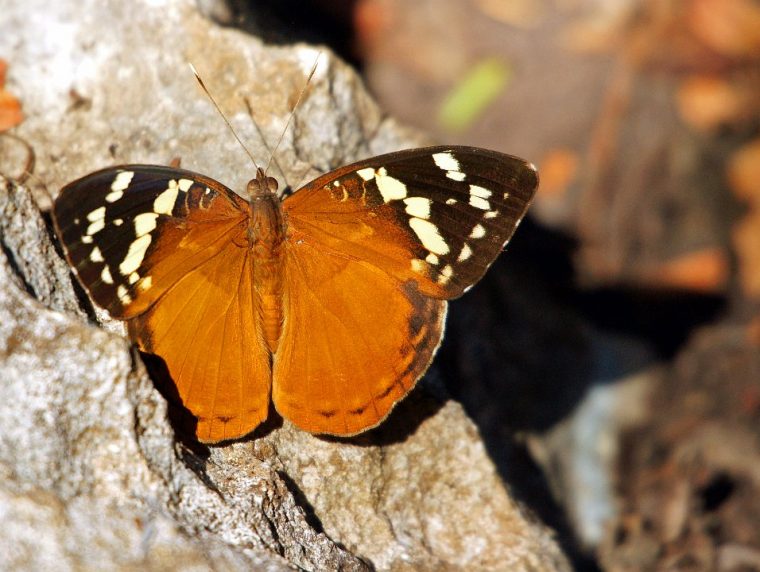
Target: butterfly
(329, 303)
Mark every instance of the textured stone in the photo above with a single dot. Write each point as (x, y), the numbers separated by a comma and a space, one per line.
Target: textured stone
(93, 472)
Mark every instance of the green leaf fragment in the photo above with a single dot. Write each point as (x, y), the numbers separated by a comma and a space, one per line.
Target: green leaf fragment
(469, 99)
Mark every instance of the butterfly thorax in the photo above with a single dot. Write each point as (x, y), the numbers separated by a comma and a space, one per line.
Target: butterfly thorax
(266, 234)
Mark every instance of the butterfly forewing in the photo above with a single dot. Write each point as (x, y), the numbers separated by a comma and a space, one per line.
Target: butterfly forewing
(131, 232)
(438, 216)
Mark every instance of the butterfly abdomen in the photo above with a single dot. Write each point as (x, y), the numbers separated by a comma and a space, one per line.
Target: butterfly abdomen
(266, 237)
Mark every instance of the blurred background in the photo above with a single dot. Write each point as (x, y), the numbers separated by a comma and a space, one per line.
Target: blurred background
(611, 358)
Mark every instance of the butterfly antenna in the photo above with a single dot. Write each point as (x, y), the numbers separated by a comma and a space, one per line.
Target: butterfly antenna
(295, 106)
(216, 105)
(249, 107)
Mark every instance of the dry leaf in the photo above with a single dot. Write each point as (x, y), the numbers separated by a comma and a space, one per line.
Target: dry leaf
(744, 179)
(699, 271)
(746, 239)
(558, 169)
(10, 107)
(706, 102)
(753, 331)
(744, 172)
(526, 14)
(730, 27)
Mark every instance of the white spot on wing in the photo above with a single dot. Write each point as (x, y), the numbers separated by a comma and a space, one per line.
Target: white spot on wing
(446, 273)
(146, 283)
(491, 214)
(123, 294)
(446, 161)
(480, 192)
(145, 223)
(105, 276)
(478, 231)
(95, 255)
(451, 201)
(432, 259)
(114, 196)
(465, 253)
(391, 189)
(367, 174)
(419, 266)
(135, 255)
(95, 228)
(183, 184)
(164, 202)
(86, 239)
(134, 277)
(479, 203)
(478, 196)
(428, 234)
(97, 221)
(418, 206)
(98, 214)
(118, 222)
(122, 180)
(119, 185)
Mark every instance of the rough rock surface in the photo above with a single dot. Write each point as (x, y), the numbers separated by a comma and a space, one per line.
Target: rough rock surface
(93, 476)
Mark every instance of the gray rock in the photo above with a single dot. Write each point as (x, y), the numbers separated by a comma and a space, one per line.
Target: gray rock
(93, 474)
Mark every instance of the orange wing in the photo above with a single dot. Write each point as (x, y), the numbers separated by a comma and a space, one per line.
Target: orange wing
(353, 343)
(373, 250)
(130, 245)
(166, 250)
(205, 329)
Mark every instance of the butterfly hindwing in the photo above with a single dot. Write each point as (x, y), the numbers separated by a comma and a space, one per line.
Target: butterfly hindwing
(131, 232)
(353, 342)
(205, 329)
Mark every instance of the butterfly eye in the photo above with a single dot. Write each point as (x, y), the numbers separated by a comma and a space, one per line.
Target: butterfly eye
(271, 184)
(253, 188)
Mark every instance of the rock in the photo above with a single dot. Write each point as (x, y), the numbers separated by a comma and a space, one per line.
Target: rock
(93, 470)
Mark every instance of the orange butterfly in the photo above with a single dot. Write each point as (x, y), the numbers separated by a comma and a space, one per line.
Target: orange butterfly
(330, 303)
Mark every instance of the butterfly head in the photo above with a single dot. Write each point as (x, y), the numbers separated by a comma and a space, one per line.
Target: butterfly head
(262, 185)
